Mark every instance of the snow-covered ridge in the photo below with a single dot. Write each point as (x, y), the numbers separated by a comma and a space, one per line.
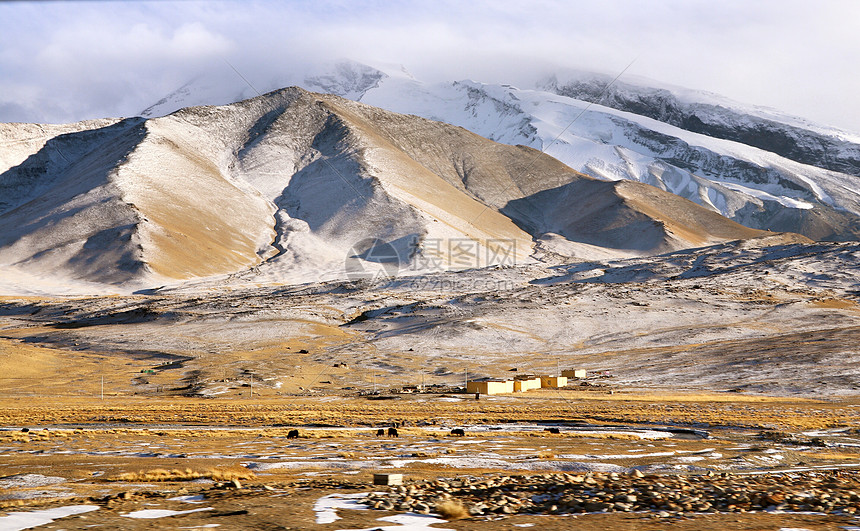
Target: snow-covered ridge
(759, 167)
(700, 112)
(750, 185)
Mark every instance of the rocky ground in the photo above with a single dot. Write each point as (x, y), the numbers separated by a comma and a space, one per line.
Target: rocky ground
(667, 495)
(618, 461)
(552, 501)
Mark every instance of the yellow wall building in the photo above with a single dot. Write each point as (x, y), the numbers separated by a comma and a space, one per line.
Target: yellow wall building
(524, 384)
(490, 387)
(553, 381)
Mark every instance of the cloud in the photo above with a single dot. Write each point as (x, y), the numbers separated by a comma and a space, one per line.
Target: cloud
(63, 61)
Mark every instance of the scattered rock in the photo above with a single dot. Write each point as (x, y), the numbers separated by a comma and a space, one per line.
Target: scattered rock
(666, 496)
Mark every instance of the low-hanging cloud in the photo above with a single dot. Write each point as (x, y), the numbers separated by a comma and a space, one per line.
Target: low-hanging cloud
(70, 61)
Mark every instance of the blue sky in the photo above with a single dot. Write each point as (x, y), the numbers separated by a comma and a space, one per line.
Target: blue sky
(63, 61)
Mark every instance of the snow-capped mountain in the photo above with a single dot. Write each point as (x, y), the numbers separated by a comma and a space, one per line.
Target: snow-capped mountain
(756, 166)
(294, 186)
(710, 114)
(347, 79)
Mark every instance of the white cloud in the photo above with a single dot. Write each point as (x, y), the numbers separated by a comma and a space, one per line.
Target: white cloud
(62, 61)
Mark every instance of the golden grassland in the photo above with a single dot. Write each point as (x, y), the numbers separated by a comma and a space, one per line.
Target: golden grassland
(701, 409)
(186, 474)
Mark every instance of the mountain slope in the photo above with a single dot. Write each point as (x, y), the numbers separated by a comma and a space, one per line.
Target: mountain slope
(756, 166)
(708, 114)
(123, 206)
(749, 185)
(299, 187)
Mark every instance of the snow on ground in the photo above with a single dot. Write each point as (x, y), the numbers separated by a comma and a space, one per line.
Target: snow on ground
(152, 514)
(407, 522)
(761, 194)
(16, 281)
(326, 507)
(15, 521)
(326, 513)
(29, 481)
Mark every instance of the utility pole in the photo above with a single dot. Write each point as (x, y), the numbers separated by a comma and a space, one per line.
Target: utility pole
(103, 387)
(466, 384)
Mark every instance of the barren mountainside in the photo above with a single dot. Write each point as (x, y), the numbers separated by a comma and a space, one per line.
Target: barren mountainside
(305, 187)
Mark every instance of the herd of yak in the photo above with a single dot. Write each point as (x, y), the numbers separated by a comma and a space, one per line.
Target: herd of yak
(392, 432)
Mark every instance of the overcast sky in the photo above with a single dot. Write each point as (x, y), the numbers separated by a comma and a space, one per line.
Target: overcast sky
(64, 61)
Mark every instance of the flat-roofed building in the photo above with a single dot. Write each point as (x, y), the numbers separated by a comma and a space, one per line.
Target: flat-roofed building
(553, 381)
(579, 374)
(490, 387)
(523, 384)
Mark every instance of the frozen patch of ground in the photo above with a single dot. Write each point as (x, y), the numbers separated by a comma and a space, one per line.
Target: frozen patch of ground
(148, 514)
(21, 520)
(189, 499)
(327, 506)
(407, 522)
(29, 481)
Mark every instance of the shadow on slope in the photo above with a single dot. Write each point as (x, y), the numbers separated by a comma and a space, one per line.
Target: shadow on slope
(52, 198)
(623, 215)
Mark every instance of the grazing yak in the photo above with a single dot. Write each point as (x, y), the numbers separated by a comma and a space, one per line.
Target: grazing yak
(392, 432)
(293, 434)
(458, 432)
(380, 432)
(552, 430)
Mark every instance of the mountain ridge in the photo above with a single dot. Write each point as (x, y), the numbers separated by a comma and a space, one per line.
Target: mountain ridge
(716, 120)
(755, 187)
(288, 183)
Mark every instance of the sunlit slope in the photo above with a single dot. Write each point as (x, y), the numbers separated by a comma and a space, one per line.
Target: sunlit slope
(293, 185)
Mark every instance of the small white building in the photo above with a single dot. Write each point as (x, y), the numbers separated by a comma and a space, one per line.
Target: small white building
(388, 479)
